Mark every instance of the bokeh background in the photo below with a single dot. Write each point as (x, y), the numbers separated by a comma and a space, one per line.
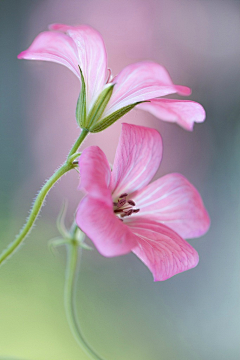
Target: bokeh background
(124, 314)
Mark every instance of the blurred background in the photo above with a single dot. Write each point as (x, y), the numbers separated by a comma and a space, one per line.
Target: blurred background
(124, 314)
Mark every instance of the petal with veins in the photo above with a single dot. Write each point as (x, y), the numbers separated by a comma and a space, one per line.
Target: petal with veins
(109, 234)
(173, 201)
(72, 46)
(182, 112)
(162, 250)
(92, 59)
(95, 174)
(56, 47)
(139, 82)
(137, 159)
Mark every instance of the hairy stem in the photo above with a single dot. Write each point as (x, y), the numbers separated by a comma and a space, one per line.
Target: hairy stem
(69, 298)
(68, 165)
(75, 147)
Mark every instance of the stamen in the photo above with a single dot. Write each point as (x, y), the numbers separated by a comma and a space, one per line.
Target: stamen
(118, 211)
(123, 195)
(121, 203)
(124, 207)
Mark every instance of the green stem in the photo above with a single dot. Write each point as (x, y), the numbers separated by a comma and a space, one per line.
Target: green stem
(69, 298)
(75, 147)
(68, 165)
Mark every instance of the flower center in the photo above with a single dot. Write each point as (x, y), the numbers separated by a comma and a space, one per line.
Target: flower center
(124, 207)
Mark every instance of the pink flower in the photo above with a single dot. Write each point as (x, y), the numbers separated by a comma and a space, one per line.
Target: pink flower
(144, 81)
(122, 213)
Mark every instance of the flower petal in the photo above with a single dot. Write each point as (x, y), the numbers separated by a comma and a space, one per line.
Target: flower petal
(161, 249)
(56, 47)
(173, 201)
(183, 112)
(73, 46)
(109, 234)
(137, 159)
(139, 82)
(95, 174)
(92, 57)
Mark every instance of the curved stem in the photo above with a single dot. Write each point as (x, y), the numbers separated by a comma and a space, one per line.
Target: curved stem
(35, 211)
(68, 165)
(75, 147)
(69, 298)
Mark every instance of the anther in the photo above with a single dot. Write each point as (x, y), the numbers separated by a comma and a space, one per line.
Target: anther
(123, 195)
(121, 203)
(136, 210)
(118, 211)
(131, 202)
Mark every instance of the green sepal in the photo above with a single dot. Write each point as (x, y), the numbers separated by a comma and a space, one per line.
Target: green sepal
(81, 104)
(99, 106)
(110, 119)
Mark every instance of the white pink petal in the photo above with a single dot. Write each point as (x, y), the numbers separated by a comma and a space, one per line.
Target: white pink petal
(92, 59)
(95, 174)
(139, 82)
(137, 159)
(109, 234)
(74, 46)
(183, 112)
(175, 202)
(162, 250)
(56, 47)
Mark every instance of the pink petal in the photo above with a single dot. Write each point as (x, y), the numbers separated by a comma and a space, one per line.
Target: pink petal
(183, 112)
(95, 174)
(92, 57)
(137, 159)
(139, 82)
(161, 249)
(73, 46)
(56, 47)
(173, 201)
(109, 234)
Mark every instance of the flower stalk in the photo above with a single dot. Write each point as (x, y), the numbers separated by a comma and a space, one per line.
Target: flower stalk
(74, 250)
(68, 165)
